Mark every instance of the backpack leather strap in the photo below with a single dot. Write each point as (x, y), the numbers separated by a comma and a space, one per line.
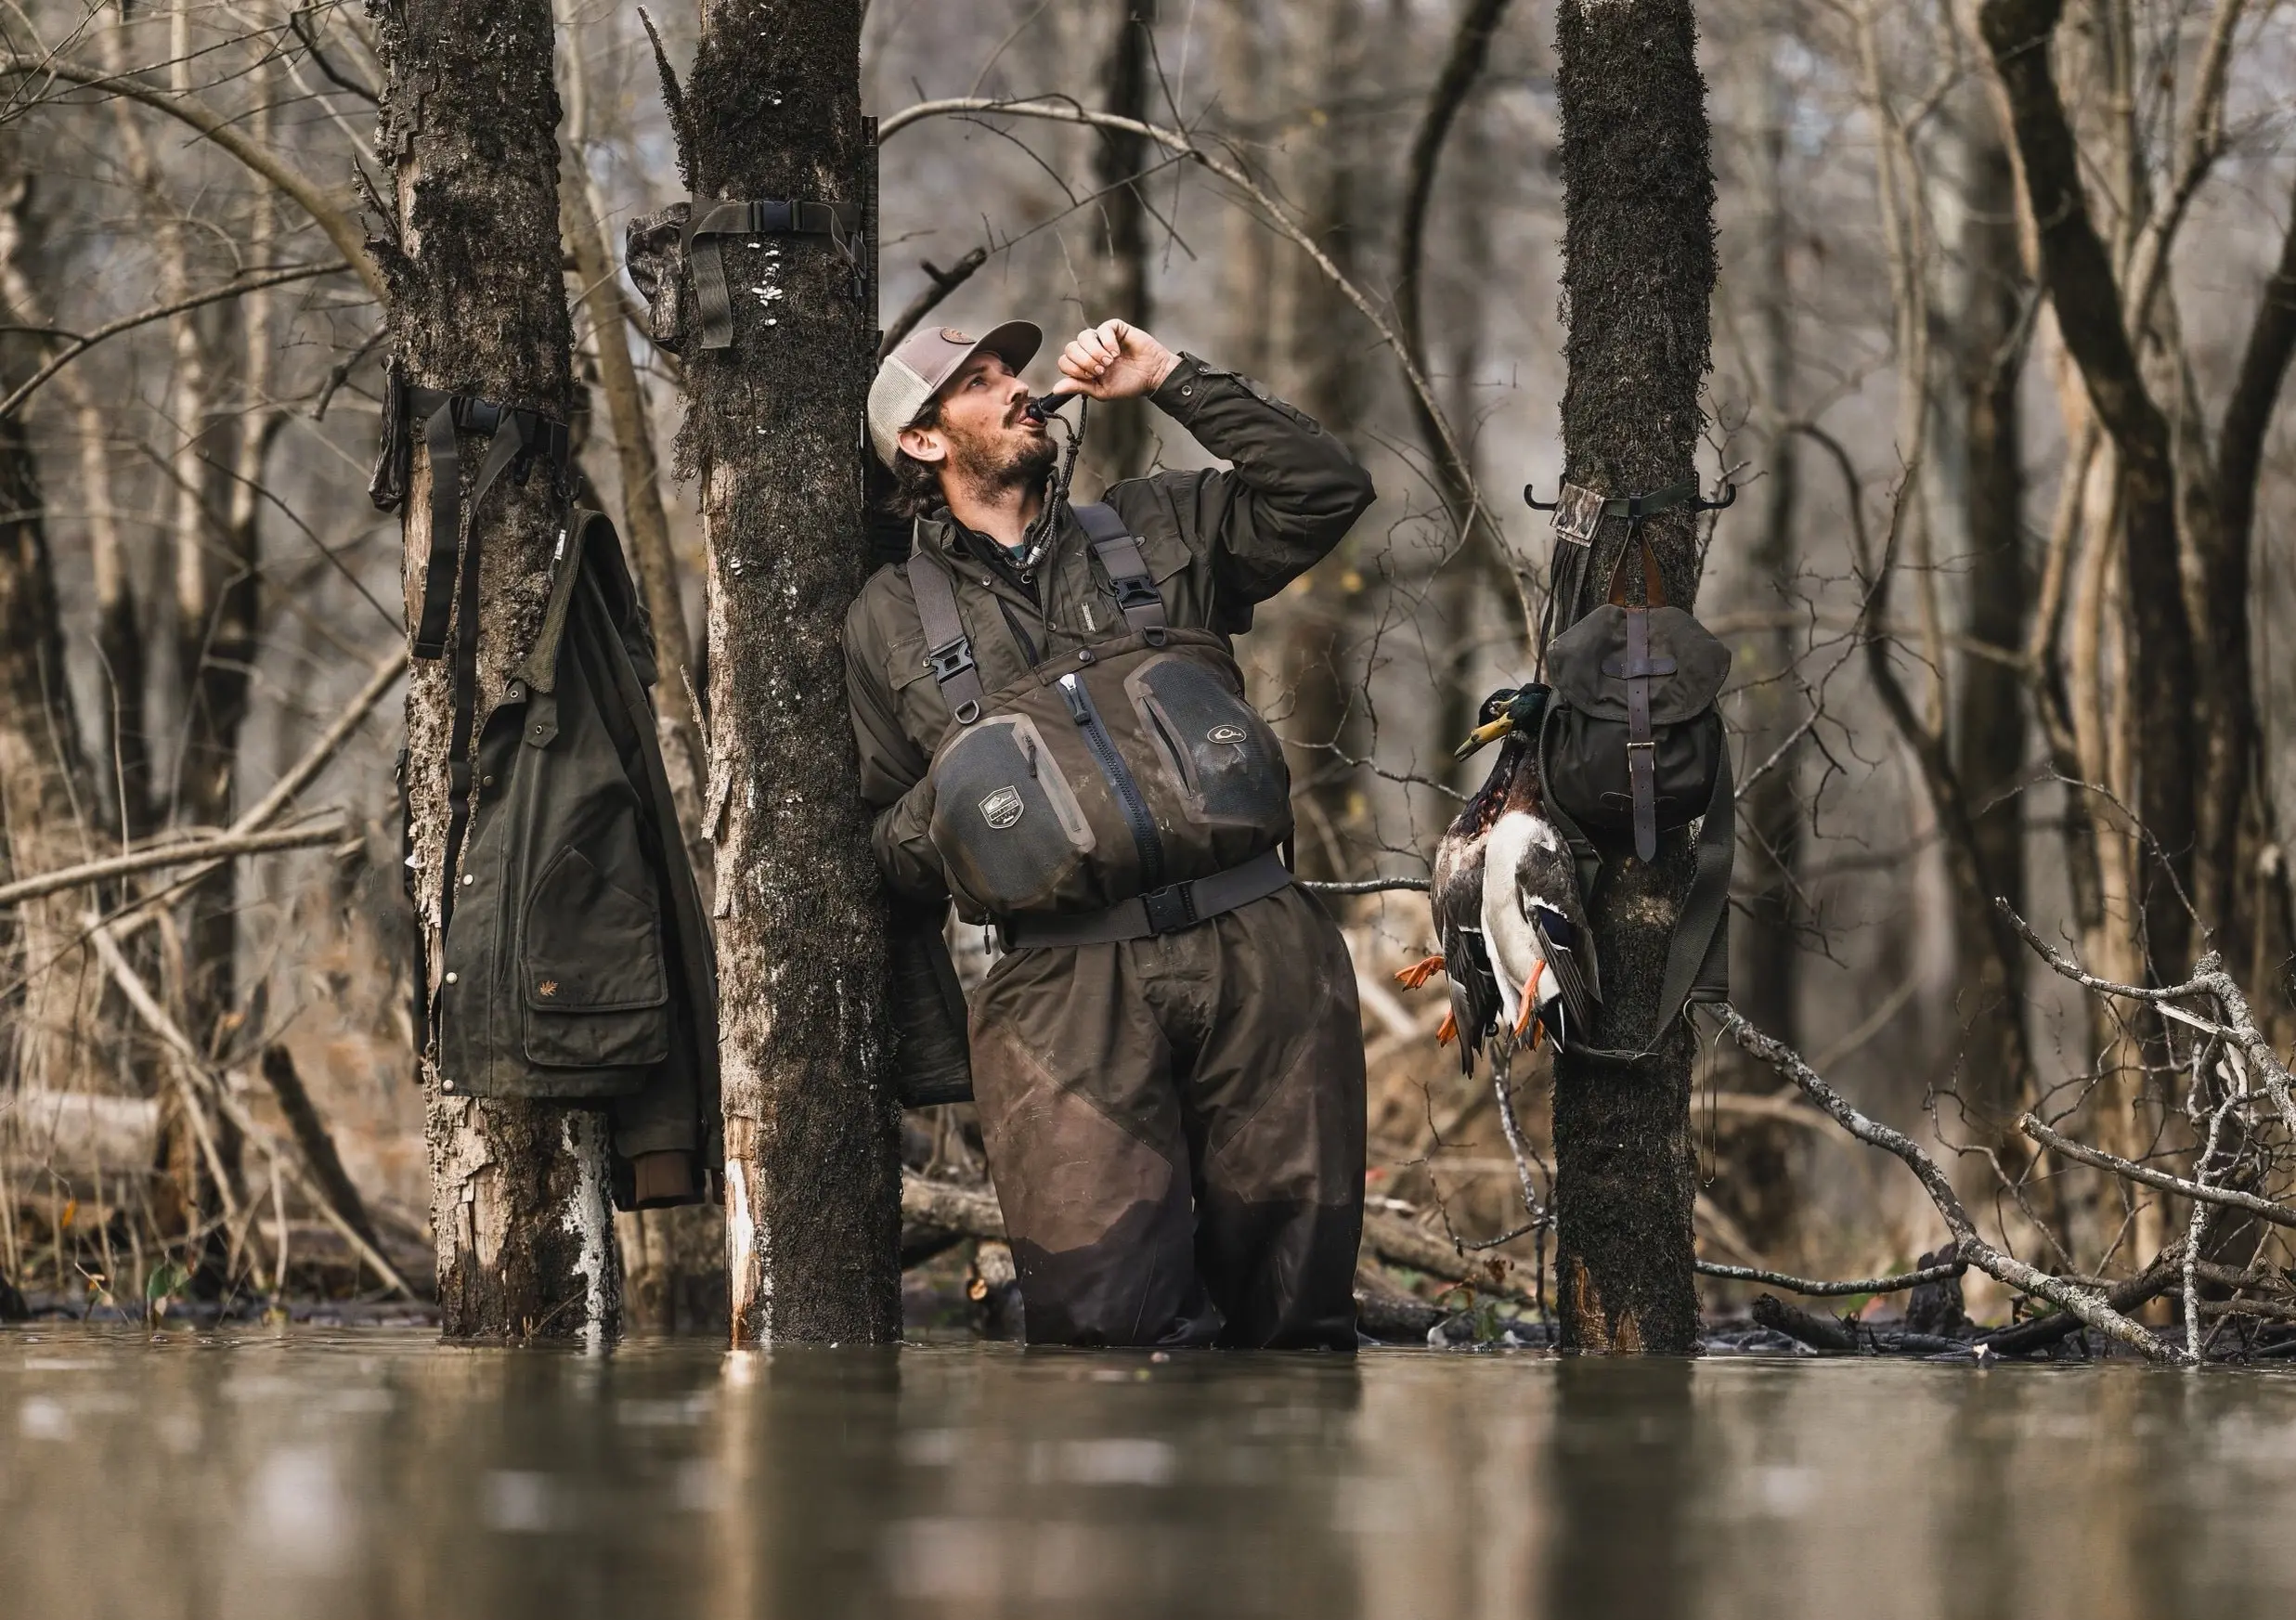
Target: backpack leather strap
(948, 650)
(1136, 596)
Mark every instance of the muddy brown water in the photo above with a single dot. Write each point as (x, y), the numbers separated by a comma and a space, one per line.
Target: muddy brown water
(375, 1473)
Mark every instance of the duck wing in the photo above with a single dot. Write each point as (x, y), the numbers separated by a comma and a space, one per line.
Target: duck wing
(1544, 888)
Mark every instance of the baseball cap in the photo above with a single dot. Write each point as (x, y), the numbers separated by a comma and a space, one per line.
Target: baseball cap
(913, 373)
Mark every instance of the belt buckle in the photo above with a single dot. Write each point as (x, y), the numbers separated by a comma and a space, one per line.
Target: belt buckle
(1170, 909)
(949, 661)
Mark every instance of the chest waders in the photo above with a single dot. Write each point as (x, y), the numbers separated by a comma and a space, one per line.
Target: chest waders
(1120, 791)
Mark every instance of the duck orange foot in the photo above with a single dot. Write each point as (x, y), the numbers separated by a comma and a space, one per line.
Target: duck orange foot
(1447, 1031)
(1420, 972)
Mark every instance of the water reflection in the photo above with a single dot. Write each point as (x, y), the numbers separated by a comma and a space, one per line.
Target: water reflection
(378, 1475)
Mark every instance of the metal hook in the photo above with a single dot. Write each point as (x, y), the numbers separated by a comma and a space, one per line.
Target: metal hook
(1536, 504)
(1730, 497)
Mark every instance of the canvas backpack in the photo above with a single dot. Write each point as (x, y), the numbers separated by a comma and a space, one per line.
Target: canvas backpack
(1632, 745)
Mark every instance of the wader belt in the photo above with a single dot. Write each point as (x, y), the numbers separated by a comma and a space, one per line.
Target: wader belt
(1162, 911)
(840, 222)
(949, 650)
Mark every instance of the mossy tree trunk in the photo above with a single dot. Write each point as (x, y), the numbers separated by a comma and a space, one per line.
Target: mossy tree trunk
(771, 432)
(1638, 271)
(519, 1194)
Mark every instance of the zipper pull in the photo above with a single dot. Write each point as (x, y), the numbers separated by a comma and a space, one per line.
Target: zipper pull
(1080, 706)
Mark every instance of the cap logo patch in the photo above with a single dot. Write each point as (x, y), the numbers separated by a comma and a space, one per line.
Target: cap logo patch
(1002, 808)
(949, 334)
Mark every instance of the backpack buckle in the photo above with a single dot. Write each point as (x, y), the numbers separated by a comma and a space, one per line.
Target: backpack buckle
(950, 660)
(1132, 590)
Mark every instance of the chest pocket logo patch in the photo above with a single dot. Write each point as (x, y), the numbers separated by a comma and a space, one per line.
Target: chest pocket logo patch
(1002, 808)
(1227, 736)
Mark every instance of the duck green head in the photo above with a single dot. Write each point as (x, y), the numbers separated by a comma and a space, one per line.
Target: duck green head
(1511, 708)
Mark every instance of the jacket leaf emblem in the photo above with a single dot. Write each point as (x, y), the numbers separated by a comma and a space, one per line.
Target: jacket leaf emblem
(1002, 808)
(548, 987)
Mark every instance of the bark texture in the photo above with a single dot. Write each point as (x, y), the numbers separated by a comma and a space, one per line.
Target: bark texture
(519, 1196)
(1639, 270)
(1121, 431)
(812, 1178)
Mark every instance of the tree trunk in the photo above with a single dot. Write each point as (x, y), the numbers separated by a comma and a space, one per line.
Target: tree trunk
(1638, 275)
(813, 1179)
(1756, 1188)
(1121, 431)
(519, 1197)
(1978, 517)
(41, 778)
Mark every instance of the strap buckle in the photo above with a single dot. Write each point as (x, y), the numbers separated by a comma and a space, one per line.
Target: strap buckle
(950, 660)
(1135, 590)
(1171, 908)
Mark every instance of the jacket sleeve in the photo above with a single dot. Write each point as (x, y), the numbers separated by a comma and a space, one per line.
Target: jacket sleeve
(1290, 494)
(894, 783)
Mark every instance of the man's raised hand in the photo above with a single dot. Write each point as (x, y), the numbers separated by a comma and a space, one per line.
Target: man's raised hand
(1113, 360)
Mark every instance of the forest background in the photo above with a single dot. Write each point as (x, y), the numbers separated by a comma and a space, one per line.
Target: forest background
(1934, 581)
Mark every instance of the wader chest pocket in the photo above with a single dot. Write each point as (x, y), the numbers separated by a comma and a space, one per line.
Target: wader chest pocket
(1221, 755)
(1006, 823)
(596, 993)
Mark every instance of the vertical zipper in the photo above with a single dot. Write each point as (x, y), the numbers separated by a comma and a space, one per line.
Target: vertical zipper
(1144, 835)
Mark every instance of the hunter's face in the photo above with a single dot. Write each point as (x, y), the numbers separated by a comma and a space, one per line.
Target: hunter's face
(985, 433)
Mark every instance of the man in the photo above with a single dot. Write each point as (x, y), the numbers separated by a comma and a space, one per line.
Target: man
(1167, 1058)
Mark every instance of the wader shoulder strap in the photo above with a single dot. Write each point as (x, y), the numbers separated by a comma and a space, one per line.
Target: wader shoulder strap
(705, 223)
(948, 650)
(1136, 596)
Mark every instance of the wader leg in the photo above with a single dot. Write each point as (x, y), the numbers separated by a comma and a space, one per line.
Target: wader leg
(1276, 1093)
(1082, 1119)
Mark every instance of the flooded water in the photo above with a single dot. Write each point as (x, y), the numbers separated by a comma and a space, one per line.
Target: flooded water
(374, 1473)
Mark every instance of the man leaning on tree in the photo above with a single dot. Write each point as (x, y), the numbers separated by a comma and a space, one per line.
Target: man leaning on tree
(1166, 1054)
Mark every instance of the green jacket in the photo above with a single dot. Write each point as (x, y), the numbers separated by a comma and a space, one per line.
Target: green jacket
(578, 962)
(1216, 543)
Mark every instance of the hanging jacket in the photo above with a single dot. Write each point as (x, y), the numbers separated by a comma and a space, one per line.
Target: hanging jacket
(578, 962)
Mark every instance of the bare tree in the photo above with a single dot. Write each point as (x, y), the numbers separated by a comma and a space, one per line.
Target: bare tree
(520, 1204)
(773, 113)
(1638, 272)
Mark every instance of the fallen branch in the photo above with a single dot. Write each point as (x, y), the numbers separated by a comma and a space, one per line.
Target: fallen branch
(1802, 1285)
(2084, 1303)
(2096, 1159)
(1821, 1333)
(317, 1144)
(195, 1068)
(2147, 1285)
(2209, 979)
(1362, 886)
(212, 847)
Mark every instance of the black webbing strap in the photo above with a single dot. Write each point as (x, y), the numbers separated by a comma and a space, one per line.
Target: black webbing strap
(948, 650)
(1567, 579)
(1162, 910)
(1698, 951)
(840, 222)
(520, 437)
(1136, 596)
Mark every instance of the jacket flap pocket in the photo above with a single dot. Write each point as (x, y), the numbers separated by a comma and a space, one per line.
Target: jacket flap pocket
(591, 945)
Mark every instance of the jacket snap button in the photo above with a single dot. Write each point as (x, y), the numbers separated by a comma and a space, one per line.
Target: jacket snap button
(486, 782)
(1084, 656)
(445, 1086)
(1186, 389)
(450, 979)
(469, 878)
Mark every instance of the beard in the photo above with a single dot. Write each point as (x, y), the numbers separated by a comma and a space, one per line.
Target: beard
(1006, 459)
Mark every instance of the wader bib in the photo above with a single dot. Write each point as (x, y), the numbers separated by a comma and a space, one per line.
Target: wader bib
(1124, 790)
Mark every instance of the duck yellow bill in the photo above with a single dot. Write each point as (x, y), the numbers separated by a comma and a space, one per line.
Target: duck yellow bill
(1482, 735)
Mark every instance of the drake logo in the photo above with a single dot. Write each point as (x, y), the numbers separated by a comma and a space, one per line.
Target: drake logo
(1227, 736)
(1002, 808)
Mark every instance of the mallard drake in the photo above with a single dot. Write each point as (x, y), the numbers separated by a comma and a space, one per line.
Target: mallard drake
(1505, 899)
